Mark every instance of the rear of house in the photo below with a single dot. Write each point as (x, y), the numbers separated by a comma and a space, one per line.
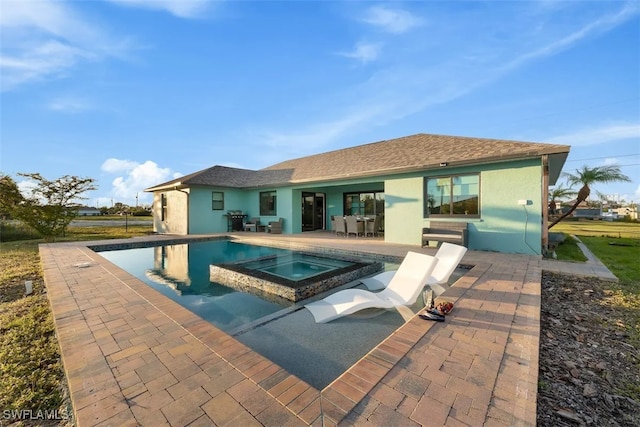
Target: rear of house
(497, 187)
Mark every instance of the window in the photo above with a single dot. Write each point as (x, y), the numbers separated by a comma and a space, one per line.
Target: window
(268, 203)
(371, 203)
(452, 196)
(163, 206)
(217, 200)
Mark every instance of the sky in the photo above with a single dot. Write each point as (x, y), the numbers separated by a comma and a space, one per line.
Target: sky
(133, 93)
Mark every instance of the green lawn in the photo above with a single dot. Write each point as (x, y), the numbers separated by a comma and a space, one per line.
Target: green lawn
(614, 229)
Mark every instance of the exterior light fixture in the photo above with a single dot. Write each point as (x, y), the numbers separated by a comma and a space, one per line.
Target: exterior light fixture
(443, 164)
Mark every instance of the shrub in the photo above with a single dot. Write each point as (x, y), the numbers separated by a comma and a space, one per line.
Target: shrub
(11, 231)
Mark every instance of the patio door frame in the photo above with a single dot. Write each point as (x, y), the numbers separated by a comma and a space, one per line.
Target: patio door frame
(313, 211)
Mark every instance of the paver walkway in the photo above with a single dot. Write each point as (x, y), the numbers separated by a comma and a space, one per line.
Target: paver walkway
(134, 357)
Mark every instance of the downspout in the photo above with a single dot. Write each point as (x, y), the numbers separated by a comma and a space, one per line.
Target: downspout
(188, 219)
(545, 204)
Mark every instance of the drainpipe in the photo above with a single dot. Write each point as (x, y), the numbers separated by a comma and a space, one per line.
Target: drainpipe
(187, 194)
(545, 204)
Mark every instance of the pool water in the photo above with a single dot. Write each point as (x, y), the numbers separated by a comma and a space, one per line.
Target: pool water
(277, 329)
(296, 266)
(181, 272)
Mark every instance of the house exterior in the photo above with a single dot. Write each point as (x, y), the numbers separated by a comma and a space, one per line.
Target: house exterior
(498, 187)
(627, 211)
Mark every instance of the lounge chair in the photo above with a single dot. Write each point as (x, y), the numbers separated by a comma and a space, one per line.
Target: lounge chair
(403, 289)
(449, 256)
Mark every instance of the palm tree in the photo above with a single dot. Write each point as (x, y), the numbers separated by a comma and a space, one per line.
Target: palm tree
(588, 176)
(558, 193)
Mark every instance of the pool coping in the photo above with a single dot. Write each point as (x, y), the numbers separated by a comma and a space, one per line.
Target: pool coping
(133, 356)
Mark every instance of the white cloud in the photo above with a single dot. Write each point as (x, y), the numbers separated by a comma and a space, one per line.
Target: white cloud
(45, 39)
(135, 177)
(602, 24)
(363, 52)
(69, 105)
(179, 8)
(117, 165)
(598, 135)
(394, 21)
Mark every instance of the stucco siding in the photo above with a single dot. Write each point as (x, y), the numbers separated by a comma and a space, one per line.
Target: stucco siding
(403, 210)
(203, 219)
(505, 225)
(175, 220)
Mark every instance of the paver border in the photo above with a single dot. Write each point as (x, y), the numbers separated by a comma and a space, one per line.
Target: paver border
(382, 385)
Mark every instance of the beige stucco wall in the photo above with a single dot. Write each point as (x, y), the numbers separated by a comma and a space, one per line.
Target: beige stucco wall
(175, 221)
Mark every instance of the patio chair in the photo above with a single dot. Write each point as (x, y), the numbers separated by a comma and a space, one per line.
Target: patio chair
(404, 289)
(252, 225)
(372, 227)
(354, 226)
(275, 227)
(339, 226)
(449, 256)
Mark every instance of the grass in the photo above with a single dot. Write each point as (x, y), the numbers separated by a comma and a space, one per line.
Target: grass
(31, 374)
(614, 229)
(570, 251)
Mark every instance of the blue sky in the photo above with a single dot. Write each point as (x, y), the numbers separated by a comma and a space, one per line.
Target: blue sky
(136, 92)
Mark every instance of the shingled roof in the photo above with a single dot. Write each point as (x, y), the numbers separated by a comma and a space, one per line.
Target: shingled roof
(406, 154)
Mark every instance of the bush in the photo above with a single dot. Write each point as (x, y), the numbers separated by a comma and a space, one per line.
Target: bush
(11, 231)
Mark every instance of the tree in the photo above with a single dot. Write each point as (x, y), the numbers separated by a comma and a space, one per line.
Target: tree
(10, 195)
(556, 194)
(587, 177)
(51, 205)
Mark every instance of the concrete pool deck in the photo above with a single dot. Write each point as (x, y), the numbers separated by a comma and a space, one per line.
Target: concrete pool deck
(134, 357)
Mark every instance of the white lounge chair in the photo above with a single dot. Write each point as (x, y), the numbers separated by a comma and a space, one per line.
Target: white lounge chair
(449, 256)
(403, 289)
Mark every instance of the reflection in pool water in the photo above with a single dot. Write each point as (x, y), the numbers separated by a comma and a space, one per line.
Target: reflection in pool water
(181, 272)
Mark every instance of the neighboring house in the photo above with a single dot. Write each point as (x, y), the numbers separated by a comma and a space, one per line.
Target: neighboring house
(585, 211)
(498, 187)
(588, 213)
(88, 211)
(627, 211)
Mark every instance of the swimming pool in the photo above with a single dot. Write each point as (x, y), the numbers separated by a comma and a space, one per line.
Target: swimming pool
(294, 276)
(251, 282)
(280, 330)
(181, 272)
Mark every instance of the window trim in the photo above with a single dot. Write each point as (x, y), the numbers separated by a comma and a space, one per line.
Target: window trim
(425, 194)
(163, 206)
(214, 201)
(274, 195)
(345, 195)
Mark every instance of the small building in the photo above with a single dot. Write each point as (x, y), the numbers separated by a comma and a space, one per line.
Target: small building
(587, 213)
(88, 211)
(498, 187)
(628, 211)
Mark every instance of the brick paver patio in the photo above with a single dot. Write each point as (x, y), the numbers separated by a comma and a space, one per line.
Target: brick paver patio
(134, 357)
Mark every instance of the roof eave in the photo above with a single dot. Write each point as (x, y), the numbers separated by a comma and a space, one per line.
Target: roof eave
(417, 168)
